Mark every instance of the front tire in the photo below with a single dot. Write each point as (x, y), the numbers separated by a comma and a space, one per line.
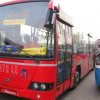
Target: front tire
(76, 79)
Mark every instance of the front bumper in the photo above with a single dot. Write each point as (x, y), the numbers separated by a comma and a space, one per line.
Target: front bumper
(29, 94)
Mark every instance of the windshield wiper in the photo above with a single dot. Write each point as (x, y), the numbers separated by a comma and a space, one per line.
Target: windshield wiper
(15, 55)
(19, 48)
(28, 54)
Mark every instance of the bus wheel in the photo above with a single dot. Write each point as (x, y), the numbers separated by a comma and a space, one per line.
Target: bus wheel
(76, 78)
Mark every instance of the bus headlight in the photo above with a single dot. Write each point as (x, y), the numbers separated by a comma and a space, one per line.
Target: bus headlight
(35, 86)
(41, 86)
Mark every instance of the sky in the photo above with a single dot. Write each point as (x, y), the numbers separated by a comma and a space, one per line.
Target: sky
(85, 13)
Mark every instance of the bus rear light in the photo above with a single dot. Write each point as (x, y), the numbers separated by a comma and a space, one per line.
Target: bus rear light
(41, 86)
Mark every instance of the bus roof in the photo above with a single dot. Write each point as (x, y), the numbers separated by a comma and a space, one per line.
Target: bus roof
(65, 18)
(20, 1)
(62, 15)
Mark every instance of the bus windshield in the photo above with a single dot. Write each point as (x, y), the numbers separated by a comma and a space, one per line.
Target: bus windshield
(22, 31)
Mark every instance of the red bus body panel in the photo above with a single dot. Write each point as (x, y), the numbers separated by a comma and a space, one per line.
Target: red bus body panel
(12, 81)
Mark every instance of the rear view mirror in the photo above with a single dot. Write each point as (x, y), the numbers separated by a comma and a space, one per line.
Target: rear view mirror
(49, 19)
(56, 9)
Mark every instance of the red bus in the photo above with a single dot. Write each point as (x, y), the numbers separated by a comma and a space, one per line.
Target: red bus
(40, 58)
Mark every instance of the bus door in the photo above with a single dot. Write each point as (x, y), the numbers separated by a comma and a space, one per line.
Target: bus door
(68, 56)
(64, 63)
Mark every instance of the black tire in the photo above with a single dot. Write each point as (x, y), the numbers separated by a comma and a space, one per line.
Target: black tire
(76, 79)
(93, 69)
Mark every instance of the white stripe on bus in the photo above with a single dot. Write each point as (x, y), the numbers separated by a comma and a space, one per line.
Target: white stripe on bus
(27, 64)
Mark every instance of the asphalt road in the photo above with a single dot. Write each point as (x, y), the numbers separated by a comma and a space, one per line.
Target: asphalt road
(86, 90)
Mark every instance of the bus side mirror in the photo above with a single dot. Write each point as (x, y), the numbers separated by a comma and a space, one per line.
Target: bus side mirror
(49, 19)
(56, 9)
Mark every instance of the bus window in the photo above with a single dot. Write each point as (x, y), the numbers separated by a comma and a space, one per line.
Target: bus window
(61, 53)
(18, 21)
(64, 51)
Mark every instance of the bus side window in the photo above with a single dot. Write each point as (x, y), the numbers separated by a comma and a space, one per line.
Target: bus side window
(68, 52)
(61, 52)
